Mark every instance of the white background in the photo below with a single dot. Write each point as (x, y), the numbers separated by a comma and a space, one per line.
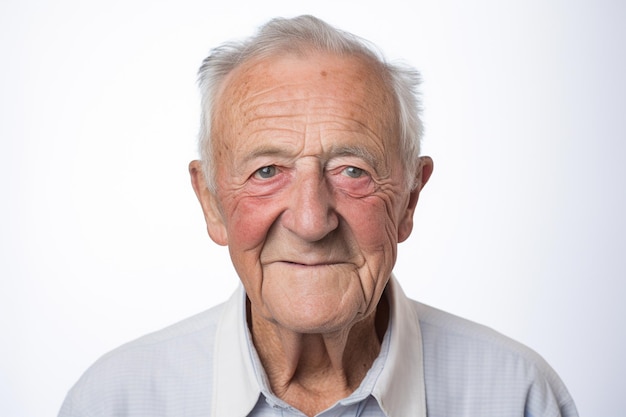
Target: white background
(521, 227)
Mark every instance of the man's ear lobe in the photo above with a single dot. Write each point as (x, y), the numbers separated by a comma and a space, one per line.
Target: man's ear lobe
(424, 170)
(210, 205)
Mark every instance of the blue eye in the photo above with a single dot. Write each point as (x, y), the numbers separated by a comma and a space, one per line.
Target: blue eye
(266, 172)
(354, 172)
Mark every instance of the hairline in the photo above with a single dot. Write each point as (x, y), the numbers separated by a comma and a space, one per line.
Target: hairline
(397, 81)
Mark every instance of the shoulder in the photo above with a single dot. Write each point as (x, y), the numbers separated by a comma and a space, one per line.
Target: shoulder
(440, 327)
(187, 338)
(174, 361)
(477, 368)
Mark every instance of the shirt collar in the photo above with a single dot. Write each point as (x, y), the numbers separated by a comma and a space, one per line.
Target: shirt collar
(235, 387)
(399, 388)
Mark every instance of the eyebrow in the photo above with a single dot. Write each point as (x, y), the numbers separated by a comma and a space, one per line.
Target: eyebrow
(335, 151)
(359, 152)
(269, 150)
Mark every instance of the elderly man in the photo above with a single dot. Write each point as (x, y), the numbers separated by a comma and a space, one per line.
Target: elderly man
(311, 173)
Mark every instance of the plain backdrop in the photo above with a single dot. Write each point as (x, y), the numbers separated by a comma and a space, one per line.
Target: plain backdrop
(521, 227)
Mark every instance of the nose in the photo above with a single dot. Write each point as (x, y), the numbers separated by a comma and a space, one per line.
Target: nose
(311, 211)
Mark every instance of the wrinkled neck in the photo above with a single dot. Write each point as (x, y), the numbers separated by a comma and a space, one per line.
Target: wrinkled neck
(313, 371)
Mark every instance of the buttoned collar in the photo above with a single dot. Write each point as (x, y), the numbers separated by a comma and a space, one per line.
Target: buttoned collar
(399, 388)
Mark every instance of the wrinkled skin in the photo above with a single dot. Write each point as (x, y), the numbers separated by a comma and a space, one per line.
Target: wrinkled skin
(310, 199)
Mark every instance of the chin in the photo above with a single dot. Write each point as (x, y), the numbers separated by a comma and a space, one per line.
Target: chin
(313, 299)
(316, 318)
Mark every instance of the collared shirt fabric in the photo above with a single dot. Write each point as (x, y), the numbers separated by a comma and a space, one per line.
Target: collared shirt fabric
(431, 364)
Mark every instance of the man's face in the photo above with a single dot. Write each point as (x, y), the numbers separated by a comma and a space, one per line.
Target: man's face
(310, 194)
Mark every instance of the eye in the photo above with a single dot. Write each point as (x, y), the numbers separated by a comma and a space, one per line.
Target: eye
(265, 172)
(353, 172)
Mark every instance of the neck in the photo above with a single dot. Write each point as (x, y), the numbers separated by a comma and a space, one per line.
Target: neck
(313, 371)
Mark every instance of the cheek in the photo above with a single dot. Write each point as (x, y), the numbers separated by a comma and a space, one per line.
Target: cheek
(249, 220)
(372, 222)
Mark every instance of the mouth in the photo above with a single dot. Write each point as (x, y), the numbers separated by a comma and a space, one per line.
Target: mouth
(296, 258)
(310, 264)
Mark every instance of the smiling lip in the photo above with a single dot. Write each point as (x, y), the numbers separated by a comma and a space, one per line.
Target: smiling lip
(310, 264)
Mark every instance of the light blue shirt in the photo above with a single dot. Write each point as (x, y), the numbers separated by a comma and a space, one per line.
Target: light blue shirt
(431, 363)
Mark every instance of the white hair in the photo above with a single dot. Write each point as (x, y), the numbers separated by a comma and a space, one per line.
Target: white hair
(298, 35)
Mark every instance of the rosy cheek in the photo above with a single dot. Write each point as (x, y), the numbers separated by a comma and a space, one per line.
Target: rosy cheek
(253, 209)
(369, 221)
(251, 220)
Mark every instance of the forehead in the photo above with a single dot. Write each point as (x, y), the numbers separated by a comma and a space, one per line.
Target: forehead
(346, 85)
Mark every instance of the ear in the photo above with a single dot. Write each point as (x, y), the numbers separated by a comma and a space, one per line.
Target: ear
(210, 205)
(424, 170)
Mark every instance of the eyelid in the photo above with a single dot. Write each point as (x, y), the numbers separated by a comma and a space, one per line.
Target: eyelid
(355, 186)
(361, 171)
(257, 173)
(252, 165)
(340, 164)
